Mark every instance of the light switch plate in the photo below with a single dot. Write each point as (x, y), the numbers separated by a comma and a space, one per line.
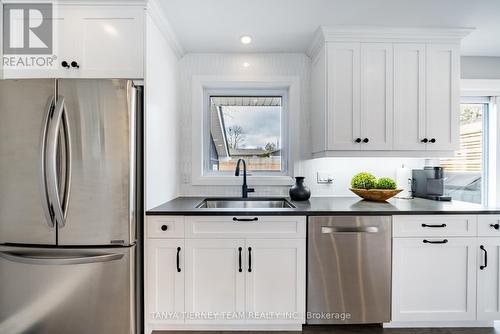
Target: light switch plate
(324, 177)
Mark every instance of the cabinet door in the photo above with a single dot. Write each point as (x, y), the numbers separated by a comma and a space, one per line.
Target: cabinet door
(111, 42)
(442, 96)
(409, 96)
(215, 286)
(488, 285)
(376, 96)
(343, 116)
(434, 282)
(276, 279)
(164, 281)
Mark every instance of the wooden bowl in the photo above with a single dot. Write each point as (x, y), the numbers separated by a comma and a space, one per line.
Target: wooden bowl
(377, 195)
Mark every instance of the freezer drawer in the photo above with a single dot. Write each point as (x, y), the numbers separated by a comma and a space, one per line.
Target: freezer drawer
(78, 291)
(349, 270)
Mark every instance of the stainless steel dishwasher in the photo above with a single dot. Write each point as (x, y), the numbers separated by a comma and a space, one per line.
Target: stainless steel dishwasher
(349, 270)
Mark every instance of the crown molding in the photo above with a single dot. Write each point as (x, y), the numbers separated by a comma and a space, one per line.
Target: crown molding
(155, 11)
(385, 34)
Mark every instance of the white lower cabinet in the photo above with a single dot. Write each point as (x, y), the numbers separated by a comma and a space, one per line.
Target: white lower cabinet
(239, 277)
(434, 279)
(275, 280)
(488, 279)
(165, 281)
(215, 285)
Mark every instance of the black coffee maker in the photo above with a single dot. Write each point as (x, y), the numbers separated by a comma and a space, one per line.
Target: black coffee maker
(428, 183)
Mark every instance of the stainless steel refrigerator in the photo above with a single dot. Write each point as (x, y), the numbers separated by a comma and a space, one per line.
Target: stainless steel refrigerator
(68, 202)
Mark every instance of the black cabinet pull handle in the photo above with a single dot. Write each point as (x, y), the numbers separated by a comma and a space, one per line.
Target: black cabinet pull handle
(434, 226)
(164, 228)
(485, 258)
(495, 226)
(249, 259)
(74, 64)
(239, 258)
(254, 219)
(65, 64)
(366, 140)
(433, 140)
(178, 260)
(436, 241)
(358, 140)
(425, 140)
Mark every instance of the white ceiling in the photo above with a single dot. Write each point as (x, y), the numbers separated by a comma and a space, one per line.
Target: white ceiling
(289, 25)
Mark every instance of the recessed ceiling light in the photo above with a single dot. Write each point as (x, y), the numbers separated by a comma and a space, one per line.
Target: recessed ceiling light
(246, 64)
(246, 39)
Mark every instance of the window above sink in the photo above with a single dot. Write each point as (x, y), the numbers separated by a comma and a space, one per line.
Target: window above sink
(244, 118)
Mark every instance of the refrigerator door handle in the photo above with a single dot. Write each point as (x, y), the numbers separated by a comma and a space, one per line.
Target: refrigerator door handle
(43, 154)
(41, 259)
(51, 171)
(67, 182)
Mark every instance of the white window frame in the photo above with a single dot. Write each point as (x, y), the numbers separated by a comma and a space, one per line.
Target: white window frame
(489, 88)
(253, 93)
(204, 86)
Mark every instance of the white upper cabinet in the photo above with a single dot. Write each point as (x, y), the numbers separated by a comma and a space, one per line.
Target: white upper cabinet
(359, 107)
(93, 41)
(393, 92)
(442, 96)
(376, 96)
(111, 42)
(343, 115)
(409, 96)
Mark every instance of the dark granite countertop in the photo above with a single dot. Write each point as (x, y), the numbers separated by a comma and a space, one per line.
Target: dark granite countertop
(322, 206)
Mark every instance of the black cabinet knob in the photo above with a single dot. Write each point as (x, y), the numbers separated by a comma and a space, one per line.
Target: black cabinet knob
(74, 64)
(164, 227)
(366, 140)
(425, 140)
(433, 140)
(358, 140)
(495, 226)
(65, 64)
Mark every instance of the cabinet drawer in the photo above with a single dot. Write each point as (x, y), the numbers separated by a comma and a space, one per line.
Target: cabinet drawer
(165, 226)
(435, 225)
(488, 226)
(245, 226)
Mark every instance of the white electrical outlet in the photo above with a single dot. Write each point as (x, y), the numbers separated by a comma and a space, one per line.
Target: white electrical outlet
(324, 177)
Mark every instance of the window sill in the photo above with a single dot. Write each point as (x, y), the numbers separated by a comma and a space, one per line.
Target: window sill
(252, 180)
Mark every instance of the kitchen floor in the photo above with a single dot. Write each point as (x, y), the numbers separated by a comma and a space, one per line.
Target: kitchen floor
(359, 329)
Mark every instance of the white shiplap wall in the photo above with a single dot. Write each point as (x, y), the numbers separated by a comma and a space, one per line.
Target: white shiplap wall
(232, 65)
(273, 65)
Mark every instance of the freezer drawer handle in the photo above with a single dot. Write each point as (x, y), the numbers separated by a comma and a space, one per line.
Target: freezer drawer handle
(254, 219)
(485, 258)
(434, 226)
(444, 241)
(365, 229)
(30, 258)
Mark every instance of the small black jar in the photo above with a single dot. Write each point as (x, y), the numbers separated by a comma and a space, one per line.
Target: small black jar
(300, 192)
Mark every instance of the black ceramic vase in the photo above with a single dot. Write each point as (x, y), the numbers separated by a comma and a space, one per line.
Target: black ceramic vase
(299, 192)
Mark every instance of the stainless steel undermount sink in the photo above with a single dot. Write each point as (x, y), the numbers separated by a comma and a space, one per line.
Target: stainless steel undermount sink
(245, 203)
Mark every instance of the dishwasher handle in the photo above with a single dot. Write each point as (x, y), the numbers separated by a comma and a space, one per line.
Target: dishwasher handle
(345, 229)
